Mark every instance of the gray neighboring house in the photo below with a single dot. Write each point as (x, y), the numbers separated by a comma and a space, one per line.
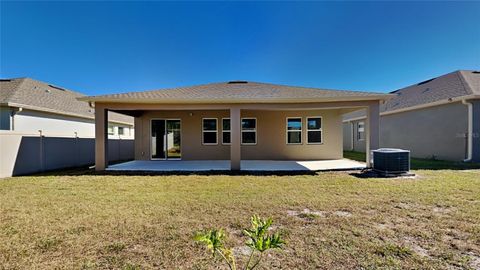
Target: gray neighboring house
(28, 106)
(437, 118)
(44, 127)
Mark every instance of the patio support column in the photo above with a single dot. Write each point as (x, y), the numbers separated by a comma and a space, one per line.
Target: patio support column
(235, 149)
(373, 128)
(101, 138)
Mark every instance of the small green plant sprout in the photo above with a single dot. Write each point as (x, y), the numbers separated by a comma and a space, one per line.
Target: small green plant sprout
(259, 241)
(214, 239)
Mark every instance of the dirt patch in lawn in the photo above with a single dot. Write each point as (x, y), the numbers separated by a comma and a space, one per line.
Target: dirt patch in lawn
(242, 251)
(413, 244)
(309, 214)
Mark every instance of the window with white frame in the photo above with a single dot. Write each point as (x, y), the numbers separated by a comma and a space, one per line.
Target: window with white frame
(111, 130)
(209, 131)
(249, 131)
(314, 130)
(226, 139)
(294, 130)
(361, 131)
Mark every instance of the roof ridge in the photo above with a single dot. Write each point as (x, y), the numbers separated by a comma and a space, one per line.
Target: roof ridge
(464, 82)
(15, 91)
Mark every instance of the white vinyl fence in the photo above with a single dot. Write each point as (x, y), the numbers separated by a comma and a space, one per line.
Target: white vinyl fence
(22, 153)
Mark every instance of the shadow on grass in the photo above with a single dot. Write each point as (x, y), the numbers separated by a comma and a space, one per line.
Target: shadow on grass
(368, 173)
(422, 164)
(89, 171)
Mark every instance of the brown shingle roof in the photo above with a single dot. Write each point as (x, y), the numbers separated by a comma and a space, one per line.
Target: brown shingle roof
(451, 85)
(37, 95)
(239, 92)
(456, 84)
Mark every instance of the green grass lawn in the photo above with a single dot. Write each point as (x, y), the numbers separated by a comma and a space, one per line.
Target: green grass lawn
(145, 222)
(422, 164)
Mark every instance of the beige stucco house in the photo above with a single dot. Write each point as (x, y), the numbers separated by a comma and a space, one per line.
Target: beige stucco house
(236, 120)
(438, 118)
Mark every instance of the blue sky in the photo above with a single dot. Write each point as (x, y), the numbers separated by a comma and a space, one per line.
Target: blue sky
(106, 47)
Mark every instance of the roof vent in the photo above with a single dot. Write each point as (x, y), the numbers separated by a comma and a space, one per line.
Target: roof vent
(424, 82)
(56, 87)
(237, 82)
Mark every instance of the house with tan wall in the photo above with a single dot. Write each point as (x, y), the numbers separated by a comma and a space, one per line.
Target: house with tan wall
(437, 118)
(235, 121)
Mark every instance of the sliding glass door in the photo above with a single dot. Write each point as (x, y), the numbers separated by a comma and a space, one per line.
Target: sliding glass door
(166, 139)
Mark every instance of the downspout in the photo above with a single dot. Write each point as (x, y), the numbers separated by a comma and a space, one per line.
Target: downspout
(352, 138)
(12, 117)
(470, 130)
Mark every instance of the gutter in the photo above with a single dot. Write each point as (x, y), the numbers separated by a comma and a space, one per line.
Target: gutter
(470, 130)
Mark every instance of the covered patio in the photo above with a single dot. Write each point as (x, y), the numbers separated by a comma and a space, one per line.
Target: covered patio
(246, 165)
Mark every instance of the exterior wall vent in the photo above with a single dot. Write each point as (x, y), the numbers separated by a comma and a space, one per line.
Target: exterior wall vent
(391, 162)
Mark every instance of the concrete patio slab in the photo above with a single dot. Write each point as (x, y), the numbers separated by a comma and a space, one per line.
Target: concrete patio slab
(247, 165)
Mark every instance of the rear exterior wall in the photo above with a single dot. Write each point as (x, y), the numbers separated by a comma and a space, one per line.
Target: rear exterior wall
(271, 136)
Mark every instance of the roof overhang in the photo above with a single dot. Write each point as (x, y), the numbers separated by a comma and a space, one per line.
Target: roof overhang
(379, 97)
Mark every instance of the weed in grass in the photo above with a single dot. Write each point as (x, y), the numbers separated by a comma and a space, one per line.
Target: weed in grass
(9, 231)
(87, 265)
(394, 250)
(115, 247)
(307, 216)
(259, 241)
(48, 244)
(77, 230)
(130, 266)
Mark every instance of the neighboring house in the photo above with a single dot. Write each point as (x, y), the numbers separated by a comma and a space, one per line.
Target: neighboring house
(438, 118)
(236, 120)
(30, 106)
(44, 127)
